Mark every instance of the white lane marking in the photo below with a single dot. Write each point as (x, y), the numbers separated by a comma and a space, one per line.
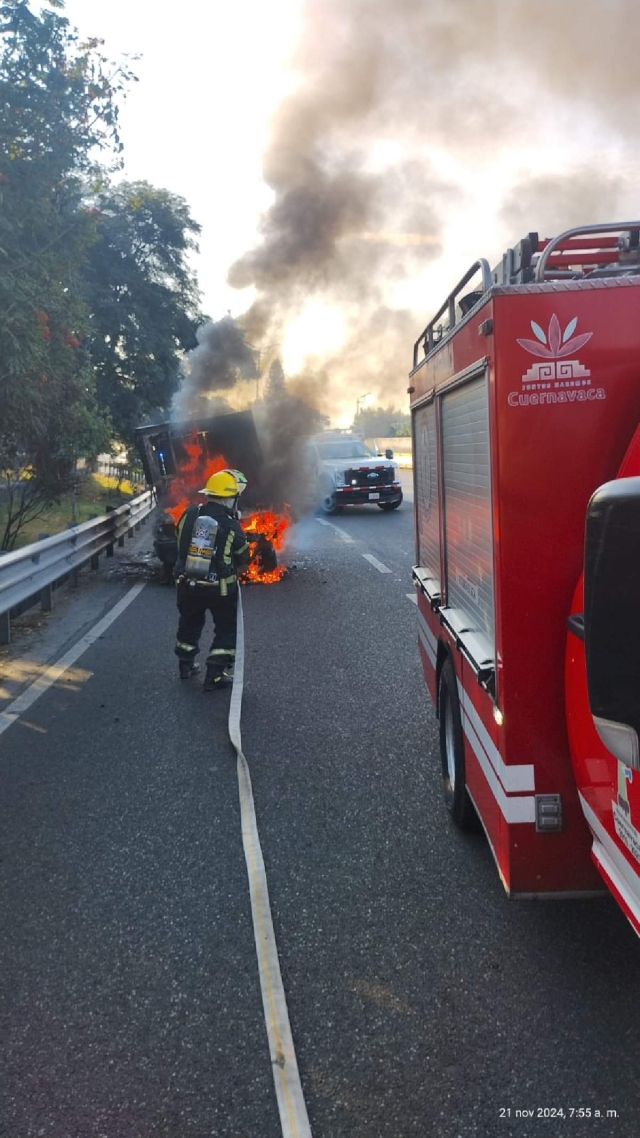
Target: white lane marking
(341, 533)
(376, 564)
(291, 1105)
(55, 671)
(412, 597)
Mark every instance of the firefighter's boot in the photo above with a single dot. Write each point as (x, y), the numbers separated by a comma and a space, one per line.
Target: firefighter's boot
(216, 678)
(188, 668)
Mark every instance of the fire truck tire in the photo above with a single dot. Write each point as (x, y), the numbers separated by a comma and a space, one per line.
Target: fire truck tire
(390, 505)
(456, 799)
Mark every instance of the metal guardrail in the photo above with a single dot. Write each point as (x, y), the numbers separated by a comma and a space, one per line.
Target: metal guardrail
(29, 574)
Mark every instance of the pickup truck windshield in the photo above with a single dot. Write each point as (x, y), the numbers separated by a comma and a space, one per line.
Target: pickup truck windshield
(345, 448)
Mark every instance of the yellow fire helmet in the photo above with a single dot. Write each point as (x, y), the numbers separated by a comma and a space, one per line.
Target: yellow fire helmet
(240, 478)
(221, 485)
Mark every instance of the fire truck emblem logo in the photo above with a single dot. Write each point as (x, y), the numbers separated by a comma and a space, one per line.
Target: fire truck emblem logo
(555, 346)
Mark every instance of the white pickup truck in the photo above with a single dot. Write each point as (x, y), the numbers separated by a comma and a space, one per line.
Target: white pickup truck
(344, 471)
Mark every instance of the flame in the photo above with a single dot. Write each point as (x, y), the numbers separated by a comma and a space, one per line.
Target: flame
(192, 476)
(273, 527)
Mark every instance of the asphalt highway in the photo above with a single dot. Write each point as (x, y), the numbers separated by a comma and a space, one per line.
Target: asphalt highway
(422, 1002)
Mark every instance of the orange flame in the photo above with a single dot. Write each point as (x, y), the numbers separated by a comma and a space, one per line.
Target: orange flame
(192, 476)
(273, 527)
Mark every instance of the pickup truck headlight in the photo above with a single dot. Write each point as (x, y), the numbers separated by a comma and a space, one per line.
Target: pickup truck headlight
(338, 478)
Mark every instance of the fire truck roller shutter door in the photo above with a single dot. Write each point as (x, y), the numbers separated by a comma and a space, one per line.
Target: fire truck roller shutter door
(456, 798)
(468, 534)
(427, 505)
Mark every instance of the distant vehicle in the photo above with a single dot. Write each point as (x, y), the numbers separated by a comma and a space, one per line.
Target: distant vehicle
(344, 471)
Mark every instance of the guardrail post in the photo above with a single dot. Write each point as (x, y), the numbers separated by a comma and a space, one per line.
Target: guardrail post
(73, 577)
(110, 510)
(5, 628)
(46, 598)
(121, 541)
(95, 560)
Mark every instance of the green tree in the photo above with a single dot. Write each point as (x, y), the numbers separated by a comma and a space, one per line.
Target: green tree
(143, 299)
(382, 422)
(58, 109)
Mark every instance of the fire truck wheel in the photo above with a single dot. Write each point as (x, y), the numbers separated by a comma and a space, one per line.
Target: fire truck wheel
(456, 798)
(390, 505)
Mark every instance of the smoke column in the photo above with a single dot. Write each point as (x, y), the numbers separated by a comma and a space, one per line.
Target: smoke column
(398, 110)
(383, 86)
(220, 360)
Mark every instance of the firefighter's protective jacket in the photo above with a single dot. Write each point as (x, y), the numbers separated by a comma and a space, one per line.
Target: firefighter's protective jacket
(231, 546)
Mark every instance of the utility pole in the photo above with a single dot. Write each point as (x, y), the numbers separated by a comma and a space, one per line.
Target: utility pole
(360, 402)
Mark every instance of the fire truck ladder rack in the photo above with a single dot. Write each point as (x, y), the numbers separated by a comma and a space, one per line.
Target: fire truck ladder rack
(583, 253)
(590, 251)
(435, 332)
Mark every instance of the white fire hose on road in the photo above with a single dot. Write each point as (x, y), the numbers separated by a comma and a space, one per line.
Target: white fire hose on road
(291, 1105)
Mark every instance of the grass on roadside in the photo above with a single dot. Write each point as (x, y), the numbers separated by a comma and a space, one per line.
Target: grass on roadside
(93, 496)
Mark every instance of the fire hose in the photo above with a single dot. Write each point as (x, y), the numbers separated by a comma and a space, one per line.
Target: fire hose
(291, 1105)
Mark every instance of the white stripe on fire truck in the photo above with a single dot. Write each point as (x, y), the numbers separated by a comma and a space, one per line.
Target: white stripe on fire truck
(614, 863)
(516, 779)
(521, 809)
(426, 644)
(433, 643)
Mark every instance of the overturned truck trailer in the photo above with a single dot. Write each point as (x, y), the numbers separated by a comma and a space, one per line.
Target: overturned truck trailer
(178, 458)
(168, 450)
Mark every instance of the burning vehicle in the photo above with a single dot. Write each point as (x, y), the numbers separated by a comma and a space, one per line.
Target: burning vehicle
(179, 458)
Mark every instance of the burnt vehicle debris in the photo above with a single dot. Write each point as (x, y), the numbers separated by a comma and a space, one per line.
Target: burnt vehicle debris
(179, 458)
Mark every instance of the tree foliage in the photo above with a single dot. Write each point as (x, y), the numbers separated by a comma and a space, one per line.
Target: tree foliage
(383, 422)
(96, 297)
(143, 300)
(57, 110)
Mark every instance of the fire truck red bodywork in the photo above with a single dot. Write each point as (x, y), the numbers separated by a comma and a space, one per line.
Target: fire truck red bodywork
(557, 429)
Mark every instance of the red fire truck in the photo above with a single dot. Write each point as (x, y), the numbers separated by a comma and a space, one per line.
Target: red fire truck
(525, 400)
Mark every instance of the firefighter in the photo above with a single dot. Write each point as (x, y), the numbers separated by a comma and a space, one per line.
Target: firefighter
(211, 549)
(242, 486)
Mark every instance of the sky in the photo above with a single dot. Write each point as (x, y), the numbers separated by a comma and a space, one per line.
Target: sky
(207, 117)
(210, 76)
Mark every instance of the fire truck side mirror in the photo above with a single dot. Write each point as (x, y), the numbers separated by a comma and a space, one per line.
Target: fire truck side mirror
(612, 616)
